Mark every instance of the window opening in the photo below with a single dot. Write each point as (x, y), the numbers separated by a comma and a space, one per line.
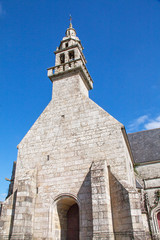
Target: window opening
(71, 55)
(62, 58)
(158, 219)
(1, 208)
(66, 45)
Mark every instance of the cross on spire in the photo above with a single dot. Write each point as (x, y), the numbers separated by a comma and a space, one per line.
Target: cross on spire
(70, 19)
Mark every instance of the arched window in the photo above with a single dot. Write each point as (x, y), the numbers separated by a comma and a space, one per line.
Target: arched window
(62, 58)
(71, 55)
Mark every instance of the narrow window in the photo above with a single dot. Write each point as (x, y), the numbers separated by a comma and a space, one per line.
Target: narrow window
(0, 209)
(71, 55)
(48, 157)
(62, 58)
(66, 45)
(158, 218)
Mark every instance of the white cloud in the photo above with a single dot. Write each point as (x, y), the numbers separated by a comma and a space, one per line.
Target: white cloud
(2, 196)
(2, 12)
(154, 123)
(144, 123)
(137, 123)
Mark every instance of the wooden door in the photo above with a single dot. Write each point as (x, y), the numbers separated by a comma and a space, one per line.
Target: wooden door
(73, 223)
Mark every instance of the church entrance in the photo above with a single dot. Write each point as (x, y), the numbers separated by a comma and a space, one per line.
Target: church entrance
(73, 223)
(65, 219)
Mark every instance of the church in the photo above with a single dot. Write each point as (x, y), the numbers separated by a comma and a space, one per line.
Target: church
(78, 175)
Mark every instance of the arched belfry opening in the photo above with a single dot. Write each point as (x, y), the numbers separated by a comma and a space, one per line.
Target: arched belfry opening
(65, 219)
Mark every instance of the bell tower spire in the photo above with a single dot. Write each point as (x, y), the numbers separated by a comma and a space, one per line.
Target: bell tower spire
(70, 19)
(69, 59)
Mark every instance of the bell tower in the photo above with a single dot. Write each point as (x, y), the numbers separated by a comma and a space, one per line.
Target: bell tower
(70, 61)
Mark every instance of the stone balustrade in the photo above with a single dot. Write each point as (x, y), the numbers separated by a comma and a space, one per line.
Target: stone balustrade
(68, 66)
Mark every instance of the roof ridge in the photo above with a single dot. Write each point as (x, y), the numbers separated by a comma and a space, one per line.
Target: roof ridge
(143, 131)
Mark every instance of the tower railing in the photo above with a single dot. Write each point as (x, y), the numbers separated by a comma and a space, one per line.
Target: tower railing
(69, 66)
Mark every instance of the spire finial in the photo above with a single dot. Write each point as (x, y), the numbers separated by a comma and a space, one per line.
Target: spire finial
(70, 19)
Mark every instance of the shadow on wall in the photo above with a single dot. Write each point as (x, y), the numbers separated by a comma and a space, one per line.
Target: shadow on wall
(121, 211)
(13, 214)
(86, 218)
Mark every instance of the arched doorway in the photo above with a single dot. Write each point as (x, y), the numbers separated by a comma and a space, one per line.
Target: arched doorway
(158, 218)
(73, 223)
(65, 219)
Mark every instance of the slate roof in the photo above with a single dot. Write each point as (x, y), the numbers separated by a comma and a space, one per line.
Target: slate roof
(145, 145)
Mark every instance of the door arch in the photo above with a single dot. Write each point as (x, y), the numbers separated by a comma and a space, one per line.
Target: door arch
(61, 218)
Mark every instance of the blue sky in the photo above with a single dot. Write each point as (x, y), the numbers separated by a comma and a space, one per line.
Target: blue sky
(121, 40)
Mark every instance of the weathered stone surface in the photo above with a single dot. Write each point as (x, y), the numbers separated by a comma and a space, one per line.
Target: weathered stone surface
(146, 152)
(74, 153)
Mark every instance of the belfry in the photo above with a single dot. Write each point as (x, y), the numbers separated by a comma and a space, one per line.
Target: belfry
(70, 61)
(74, 177)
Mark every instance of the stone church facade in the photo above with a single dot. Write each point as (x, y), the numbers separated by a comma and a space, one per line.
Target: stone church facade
(74, 177)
